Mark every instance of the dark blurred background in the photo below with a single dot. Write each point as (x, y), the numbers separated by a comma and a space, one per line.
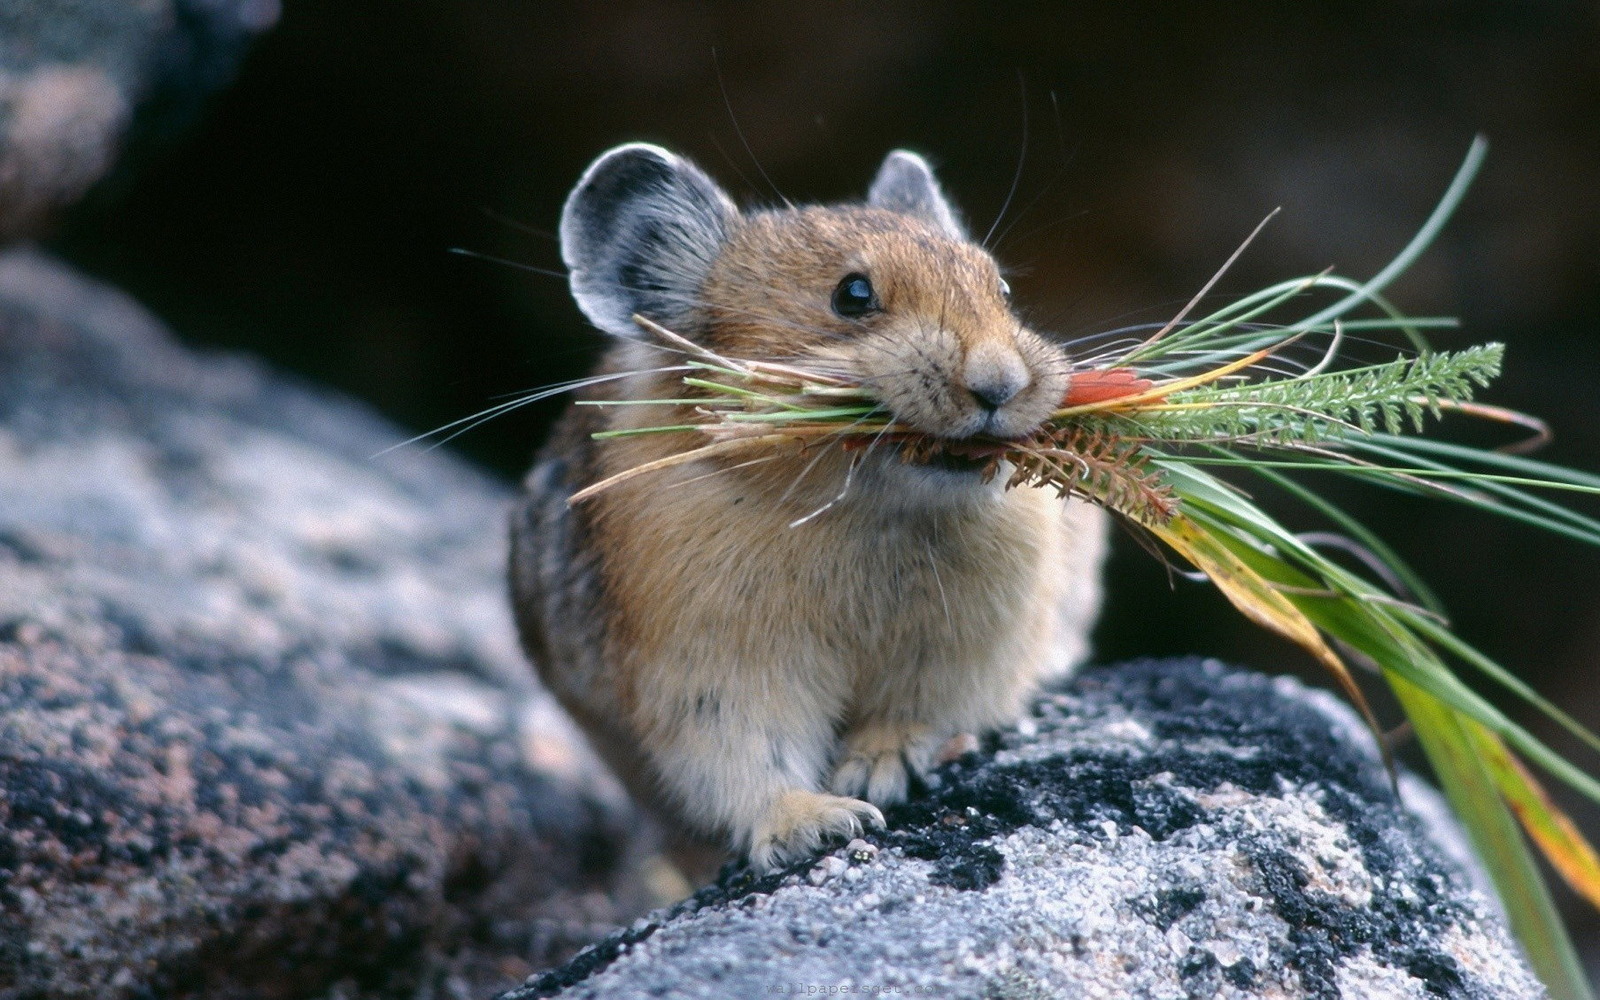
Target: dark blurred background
(309, 216)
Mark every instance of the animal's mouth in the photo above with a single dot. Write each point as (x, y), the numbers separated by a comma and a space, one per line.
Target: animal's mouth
(965, 456)
(950, 462)
(979, 456)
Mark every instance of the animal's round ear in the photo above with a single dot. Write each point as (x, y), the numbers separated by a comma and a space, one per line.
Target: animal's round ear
(638, 234)
(905, 183)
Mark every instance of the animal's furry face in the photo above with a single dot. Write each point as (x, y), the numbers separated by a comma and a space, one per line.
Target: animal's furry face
(920, 317)
(891, 294)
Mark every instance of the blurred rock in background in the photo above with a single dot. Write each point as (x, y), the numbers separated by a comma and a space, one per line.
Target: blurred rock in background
(264, 728)
(86, 82)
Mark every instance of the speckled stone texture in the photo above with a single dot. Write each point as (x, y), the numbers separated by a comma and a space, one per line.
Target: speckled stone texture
(77, 75)
(264, 728)
(1155, 830)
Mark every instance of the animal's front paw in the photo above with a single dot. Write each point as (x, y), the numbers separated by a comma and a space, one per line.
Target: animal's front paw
(799, 822)
(881, 760)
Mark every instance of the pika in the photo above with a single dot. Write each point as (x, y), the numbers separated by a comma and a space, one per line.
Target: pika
(768, 652)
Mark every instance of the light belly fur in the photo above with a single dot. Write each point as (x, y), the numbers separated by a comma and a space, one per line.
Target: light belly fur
(944, 616)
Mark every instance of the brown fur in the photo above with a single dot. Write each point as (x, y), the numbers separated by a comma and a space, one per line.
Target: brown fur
(763, 649)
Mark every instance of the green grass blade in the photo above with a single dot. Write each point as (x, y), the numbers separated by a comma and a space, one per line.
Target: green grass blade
(1437, 632)
(837, 413)
(1355, 612)
(1453, 644)
(1419, 243)
(1518, 503)
(1532, 468)
(1497, 840)
(1408, 577)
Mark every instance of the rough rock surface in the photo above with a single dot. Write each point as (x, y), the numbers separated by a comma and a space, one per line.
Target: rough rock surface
(1165, 829)
(264, 729)
(75, 74)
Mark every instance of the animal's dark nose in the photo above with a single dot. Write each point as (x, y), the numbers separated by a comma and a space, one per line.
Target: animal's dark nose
(994, 373)
(993, 393)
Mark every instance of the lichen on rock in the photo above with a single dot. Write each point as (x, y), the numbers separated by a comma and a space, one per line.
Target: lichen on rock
(1157, 829)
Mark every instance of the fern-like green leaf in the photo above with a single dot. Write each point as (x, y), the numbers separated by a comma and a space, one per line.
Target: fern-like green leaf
(1328, 406)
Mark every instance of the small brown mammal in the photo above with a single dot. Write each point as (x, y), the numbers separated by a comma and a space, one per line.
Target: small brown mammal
(768, 652)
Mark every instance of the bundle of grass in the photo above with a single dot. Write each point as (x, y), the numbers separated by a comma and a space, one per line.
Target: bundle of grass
(1140, 429)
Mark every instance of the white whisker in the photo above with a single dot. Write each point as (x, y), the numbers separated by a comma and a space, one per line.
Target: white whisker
(500, 409)
(849, 477)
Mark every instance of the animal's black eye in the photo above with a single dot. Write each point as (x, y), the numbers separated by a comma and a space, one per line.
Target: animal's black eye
(1005, 288)
(853, 296)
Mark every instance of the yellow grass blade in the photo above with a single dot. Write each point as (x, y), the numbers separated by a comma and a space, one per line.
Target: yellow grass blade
(1557, 836)
(705, 451)
(687, 346)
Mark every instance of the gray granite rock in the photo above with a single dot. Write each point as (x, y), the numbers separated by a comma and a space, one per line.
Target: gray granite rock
(264, 727)
(75, 75)
(1154, 830)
